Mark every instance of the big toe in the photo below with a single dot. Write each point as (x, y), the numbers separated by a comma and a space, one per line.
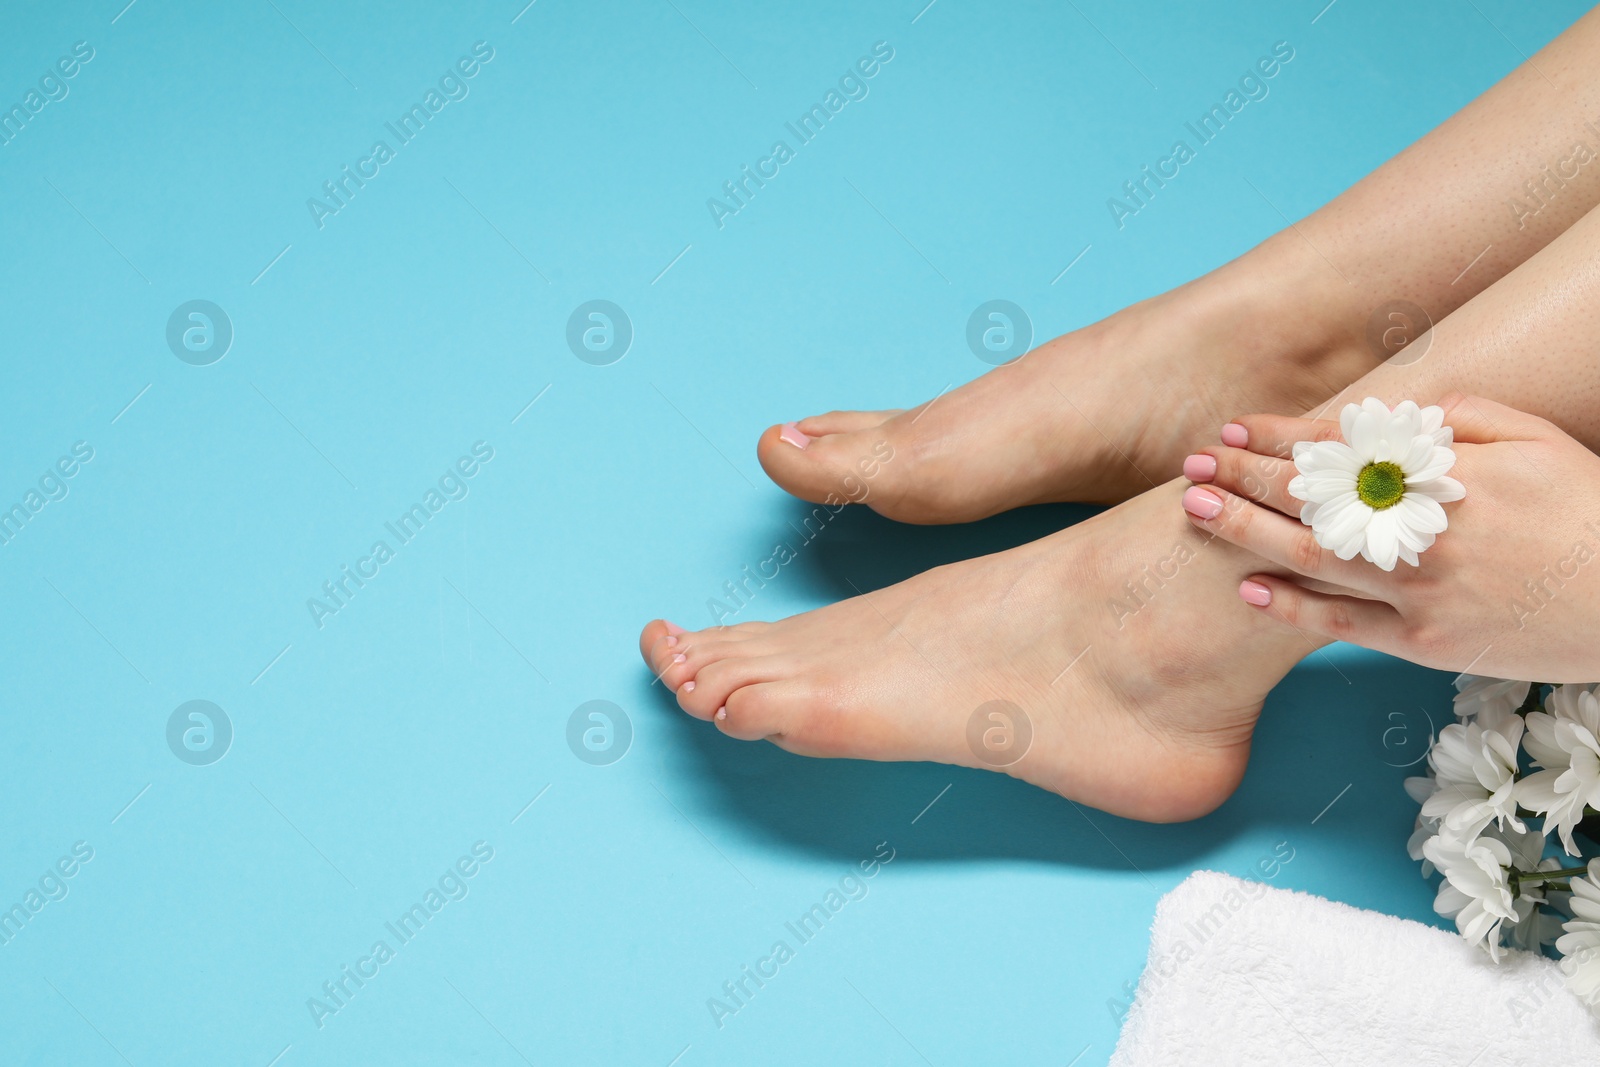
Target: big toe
(828, 458)
(654, 641)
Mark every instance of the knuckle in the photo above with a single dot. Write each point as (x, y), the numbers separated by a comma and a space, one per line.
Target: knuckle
(1305, 555)
(1338, 622)
(1426, 640)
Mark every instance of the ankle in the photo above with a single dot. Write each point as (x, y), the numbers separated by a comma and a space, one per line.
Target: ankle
(1287, 315)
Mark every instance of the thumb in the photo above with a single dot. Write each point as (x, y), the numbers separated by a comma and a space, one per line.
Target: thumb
(1480, 421)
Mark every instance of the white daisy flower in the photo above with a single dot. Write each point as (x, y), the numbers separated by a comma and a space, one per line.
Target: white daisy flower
(1580, 945)
(1378, 492)
(1565, 742)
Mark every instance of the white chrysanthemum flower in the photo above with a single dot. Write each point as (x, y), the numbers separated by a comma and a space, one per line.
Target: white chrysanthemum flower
(1475, 695)
(1535, 926)
(1580, 945)
(1475, 778)
(1476, 891)
(1479, 894)
(1420, 789)
(1378, 492)
(1565, 743)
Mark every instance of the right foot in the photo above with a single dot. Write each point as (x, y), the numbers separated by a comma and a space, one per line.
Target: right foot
(1147, 714)
(1094, 416)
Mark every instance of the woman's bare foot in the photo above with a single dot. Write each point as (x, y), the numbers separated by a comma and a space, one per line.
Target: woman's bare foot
(1136, 673)
(1096, 415)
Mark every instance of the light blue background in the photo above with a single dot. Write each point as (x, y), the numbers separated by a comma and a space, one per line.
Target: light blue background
(429, 712)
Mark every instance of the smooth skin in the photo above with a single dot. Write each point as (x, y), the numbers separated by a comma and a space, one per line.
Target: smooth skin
(1510, 590)
(1122, 637)
(1279, 329)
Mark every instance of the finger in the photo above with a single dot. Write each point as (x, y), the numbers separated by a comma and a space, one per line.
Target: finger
(1480, 421)
(1276, 435)
(1368, 623)
(1272, 536)
(1264, 479)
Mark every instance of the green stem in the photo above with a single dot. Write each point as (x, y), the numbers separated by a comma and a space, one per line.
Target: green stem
(1545, 876)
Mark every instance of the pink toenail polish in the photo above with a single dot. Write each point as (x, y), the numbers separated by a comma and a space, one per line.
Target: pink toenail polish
(722, 712)
(688, 687)
(673, 629)
(1235, 436)
(1255, 593)
(1200, 468)
(792, 434)
(1201, 504)
(671, 640)
(679, 657)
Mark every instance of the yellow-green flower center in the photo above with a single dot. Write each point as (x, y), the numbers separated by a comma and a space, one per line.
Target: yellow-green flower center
(1381, 485)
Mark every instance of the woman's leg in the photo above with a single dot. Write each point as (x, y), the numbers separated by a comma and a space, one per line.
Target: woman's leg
(1121, 640)
(1105, 412)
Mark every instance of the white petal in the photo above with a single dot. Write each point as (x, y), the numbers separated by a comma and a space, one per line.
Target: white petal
(1422, 514)
(1434, 463)
(1347, 420)
(1366, 435)
(1444, 490)
(1383, 545)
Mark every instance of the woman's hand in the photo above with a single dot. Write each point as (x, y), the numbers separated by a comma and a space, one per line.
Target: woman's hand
(1511, 589)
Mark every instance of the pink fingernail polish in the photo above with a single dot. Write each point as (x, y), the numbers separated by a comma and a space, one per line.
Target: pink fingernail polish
(722, 712)
(688, 687)
(1201, 504)
(792, 434)
(1235, 436)
(1199, 468)
(1255, 593)
(679, 657)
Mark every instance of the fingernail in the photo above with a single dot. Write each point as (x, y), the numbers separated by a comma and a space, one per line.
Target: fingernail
(1201, 504)
(688, 687)
(792, 434)
(1255, 593)
(1200, 468)
(679, 658)
(722, 712)
(1235, 436)
(673, 628)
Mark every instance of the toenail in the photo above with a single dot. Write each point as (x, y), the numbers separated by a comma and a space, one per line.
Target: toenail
(1255, 593)
(1200, 468)
(688, 687)
(722, 712)
(671, 640)
(1201, 504)
(792, 434)
(679, 657)
(1235, 436)
(673, 629)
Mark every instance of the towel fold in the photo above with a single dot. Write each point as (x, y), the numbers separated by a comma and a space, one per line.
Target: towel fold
(1240, 973)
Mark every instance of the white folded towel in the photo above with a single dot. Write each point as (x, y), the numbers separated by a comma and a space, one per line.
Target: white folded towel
(1240, 973)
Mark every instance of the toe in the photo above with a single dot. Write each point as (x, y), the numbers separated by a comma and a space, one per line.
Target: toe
(694, 652)
(843, 422)
(751, 713)
(833, 468)
(655, 640)
(718, 681)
